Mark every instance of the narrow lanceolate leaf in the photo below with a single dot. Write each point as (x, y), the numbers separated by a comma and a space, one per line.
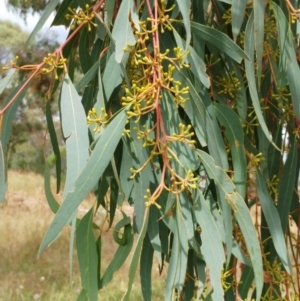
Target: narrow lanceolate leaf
(5, 80)
(87, 256)
(89, 176)
(88, 76)
(290, 174)
(241, 214)
(195, 110)
(249, 49)
(122, 31)
(220, 40)
(42, 20)
(136, 256)
(55, 145)
(273, 220)
(259, 13)
(3, 180)
(238, 16)
(53, 204)
(288, 56)
(146, 268)
(212, 247)
(77, 143)
(235, 136)
(198, 66)
(112, 76)
(75, 132)
(122, 252)
(184, 7)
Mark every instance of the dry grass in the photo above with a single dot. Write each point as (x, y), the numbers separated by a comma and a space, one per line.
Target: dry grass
(23, 223)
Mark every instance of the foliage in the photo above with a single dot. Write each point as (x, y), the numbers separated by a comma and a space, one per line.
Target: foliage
(190, 112)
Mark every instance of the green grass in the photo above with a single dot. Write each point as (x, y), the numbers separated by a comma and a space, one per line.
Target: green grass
(23, 223)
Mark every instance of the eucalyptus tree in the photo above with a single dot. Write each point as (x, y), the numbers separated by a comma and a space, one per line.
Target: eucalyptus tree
(189, 111)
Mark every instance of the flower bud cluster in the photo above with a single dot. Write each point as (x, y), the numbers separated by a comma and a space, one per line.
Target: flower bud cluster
(99, 121)
(81, 16)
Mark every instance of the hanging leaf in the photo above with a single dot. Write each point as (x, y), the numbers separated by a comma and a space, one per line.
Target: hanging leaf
(42, 20)
(87, 256)
(273, 221)
(75, 132)
(258, 24)
(122, 31)
(212, 248)
(125, 246)
(249, 50)
(136, 256)
(53, 204)
(238, 16)
(220, 40)
(184, 7)
(5, 80)
(146, 268)
(89, 176)
(55, 146)
(234, 134)
(241, 214)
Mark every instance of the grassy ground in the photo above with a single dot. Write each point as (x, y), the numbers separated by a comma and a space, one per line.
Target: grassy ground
(23, 223)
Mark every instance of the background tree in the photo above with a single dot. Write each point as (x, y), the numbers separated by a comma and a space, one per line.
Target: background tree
(25, 151)
(190, 112)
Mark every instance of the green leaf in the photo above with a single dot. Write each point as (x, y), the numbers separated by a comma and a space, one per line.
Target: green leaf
(212, 246)
(185, 157)
(215, 141)
(200, 268)
(5, 80)
(113, 199)
(136, 255)
(235, 136)
(87, 255)
(125, 173)
(259, 32)
(53, 204)
(84, 55)
(220, 40)
(122, 31)
(60, 16)
(249, 65)
(54, 144)
(238, 16)
(146, 268)
(178, 262)
(112, 76)
(288, 56)
(82, 296)
(122, 252)
(110, 6)
(3, 178)
(184, 7)
(241, 214)
(195, 110)
(273, 220)
(42, 20)
(153, 232)
(246, 282)
(89, 75)
(198, 66)
(141, 183)
(75, 132)
(89, 176)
